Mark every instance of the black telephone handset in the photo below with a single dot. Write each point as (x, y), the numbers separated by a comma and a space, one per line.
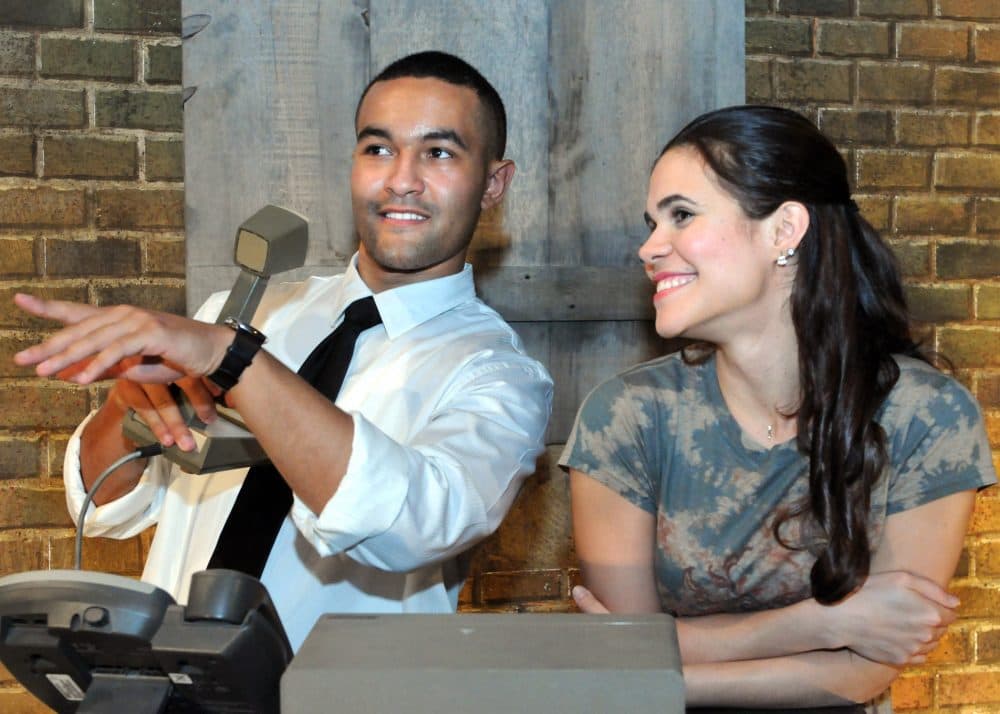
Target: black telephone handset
(271, 241)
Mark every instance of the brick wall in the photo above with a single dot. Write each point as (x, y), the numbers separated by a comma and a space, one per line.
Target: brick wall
(91, 208)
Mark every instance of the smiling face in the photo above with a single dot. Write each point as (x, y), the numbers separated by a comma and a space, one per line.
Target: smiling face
(713, 267)
(419, 179)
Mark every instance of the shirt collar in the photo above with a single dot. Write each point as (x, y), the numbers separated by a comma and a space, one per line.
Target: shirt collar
(405, 307)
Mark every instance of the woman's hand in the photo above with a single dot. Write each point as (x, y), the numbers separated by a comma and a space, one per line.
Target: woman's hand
(587, 603)
(894, 617)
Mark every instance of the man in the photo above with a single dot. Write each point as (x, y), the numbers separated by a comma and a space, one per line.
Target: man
(439, 418)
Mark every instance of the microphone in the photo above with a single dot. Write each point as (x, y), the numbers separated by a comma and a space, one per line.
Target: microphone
(272, 240)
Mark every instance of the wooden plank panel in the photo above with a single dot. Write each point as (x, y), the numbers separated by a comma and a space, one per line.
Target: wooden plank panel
(507, 41)
(525, 293)
(270, 121)
(581, 355)
(624, 77)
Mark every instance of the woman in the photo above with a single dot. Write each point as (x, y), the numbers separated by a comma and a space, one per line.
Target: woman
(795, 485)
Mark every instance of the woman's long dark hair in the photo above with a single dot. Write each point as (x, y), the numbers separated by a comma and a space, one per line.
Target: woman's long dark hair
(848, 311)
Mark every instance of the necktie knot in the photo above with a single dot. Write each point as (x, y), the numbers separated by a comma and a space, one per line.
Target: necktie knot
(363, 313)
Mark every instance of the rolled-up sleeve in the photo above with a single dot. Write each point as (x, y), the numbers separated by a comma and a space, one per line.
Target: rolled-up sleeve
(124, 517)
(401, 506)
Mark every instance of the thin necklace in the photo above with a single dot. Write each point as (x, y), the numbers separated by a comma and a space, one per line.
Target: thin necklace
(770, 432)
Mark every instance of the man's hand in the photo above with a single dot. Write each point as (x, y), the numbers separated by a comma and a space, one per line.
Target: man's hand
(96, 343)
(895, 618)
(587, 602)
(156, 406)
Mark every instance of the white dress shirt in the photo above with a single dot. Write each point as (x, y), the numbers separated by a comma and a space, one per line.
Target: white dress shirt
(449, 415)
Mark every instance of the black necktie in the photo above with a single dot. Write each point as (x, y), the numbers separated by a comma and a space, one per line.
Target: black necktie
(265, 499)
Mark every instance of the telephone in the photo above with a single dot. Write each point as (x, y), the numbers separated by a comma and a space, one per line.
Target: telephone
(272, 240)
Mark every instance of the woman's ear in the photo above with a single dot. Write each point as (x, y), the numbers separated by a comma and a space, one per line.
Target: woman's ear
(791, 221)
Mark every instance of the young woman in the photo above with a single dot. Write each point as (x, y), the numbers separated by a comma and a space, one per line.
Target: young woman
(796, 484)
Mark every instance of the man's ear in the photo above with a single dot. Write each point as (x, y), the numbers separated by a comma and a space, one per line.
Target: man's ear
(501, 173)
(791, 221)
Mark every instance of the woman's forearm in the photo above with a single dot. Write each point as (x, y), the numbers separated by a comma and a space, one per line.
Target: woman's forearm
(811, 679)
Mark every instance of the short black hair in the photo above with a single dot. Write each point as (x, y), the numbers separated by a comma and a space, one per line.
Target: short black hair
(453, 70)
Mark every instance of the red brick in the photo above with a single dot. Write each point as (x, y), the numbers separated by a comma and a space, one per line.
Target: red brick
(987, 44)
(51, 13)
(10, 344)
(166, 298)
(975, 347)
(914, 258)
(18, 257)
(892, 169)
(939, 303)
(968, 688)
(986, 516)
(165, 257)
(967, 260)
(913, 691)
(23, 505)
(854, 39)
(894, 82)
(933, 214)
(988, 129)
(138, 109)
(17, 54)
(988, 646)
(87, 58)
(988, 559)
(933, 41)
(17, 155)
(163, 64)
(877, 210)
(107, 555)
(164, 160)
(978, 88)
(988, 302)
(812, 80)
(784, 36)
(935, 129)
(988, 215)
(853, 126)
(66, 257)
(137, 208)
(979, 171)
(161, 16)
(894, 8)
(820, 8)
(758, 80)
(954, 647)
(42, 207)
(969, 9)
(43, 407)
(91, 157)
(11, 316)
(20, 457)
(988, 390)
(53, 108)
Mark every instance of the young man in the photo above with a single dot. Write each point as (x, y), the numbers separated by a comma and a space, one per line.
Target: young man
(440, 416)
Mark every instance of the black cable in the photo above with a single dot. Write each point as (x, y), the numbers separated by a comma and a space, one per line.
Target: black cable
(143, 452)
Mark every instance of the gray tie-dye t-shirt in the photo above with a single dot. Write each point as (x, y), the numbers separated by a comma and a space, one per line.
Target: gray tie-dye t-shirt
(661, 435)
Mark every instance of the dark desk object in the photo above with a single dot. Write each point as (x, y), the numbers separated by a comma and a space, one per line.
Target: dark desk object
(487, 663)
(92, 642)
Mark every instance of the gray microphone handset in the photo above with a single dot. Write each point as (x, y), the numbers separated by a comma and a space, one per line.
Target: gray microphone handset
(271, 241)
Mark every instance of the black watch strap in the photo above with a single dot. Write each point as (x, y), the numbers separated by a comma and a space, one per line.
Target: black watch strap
(246, 343)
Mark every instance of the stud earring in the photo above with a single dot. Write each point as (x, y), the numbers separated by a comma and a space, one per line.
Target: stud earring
(782, 260)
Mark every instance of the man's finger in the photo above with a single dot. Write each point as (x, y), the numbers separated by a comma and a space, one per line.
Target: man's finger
(586, 601)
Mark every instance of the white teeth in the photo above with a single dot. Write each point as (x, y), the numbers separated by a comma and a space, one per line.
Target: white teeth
(674, 282)
(404, 216)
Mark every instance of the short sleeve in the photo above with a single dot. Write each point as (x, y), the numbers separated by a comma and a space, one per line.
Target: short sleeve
(941, 447)
(610, 442)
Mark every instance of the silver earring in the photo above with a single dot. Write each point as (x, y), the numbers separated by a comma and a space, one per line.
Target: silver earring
(782, 260)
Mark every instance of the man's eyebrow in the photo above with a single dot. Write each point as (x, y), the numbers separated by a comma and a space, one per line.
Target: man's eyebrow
(432, 135)
(373, 131)
(445, 135)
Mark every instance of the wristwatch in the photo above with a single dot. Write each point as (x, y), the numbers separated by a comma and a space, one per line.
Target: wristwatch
(240, 353)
